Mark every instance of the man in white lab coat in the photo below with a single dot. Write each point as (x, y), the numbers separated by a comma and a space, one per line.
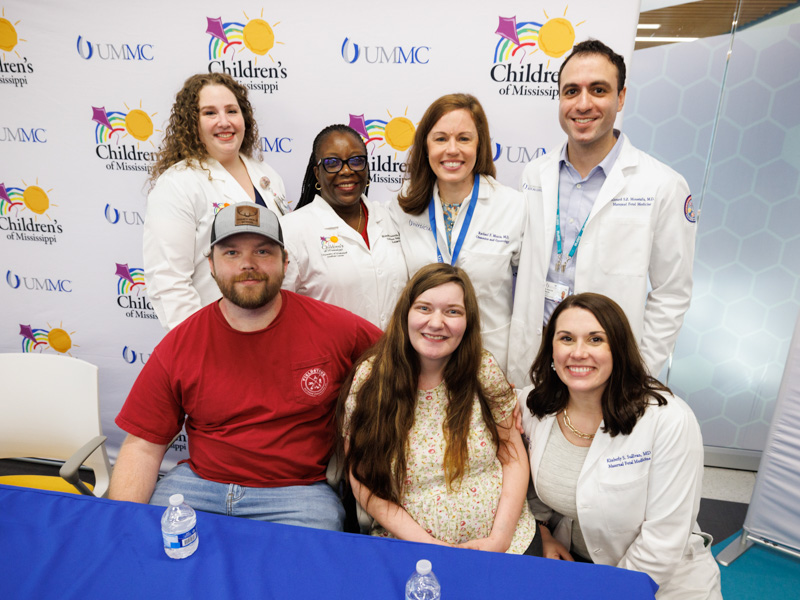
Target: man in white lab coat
(602, 217)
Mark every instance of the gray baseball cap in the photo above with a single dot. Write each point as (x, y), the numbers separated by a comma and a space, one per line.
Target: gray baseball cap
(246, 217)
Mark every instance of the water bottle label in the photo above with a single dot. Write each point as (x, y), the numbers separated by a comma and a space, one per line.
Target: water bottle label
(180, 540)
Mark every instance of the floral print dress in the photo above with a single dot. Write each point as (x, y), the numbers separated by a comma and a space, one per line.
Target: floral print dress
(466, 511)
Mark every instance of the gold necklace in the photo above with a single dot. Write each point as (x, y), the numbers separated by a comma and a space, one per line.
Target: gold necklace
(580, 434)
(360, 215)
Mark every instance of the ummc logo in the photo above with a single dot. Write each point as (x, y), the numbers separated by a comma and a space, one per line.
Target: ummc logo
(278, 144)
(36, 135)
(413, 55)
(38, 285)
(87, 50)
(131, 356)
(113, 216)
(516, 154)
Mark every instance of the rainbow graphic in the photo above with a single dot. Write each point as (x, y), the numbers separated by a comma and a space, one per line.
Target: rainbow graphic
(397, 132)
(514, 36)
(129, 279)
(108, 123)
(328, 241)
(9, 198)
(32, 339)
(218, 206)
(224, 36)
(55, 338)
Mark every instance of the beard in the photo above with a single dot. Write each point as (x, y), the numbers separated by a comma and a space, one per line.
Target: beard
(252, 297)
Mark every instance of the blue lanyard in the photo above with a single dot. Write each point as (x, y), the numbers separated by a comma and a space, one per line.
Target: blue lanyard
(559, 265)
(464, 226)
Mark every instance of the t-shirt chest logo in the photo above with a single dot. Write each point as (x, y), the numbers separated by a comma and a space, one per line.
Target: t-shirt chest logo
(314, 382)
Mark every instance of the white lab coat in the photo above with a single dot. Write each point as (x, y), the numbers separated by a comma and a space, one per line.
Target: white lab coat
(637, 229)
(177, 231)
(329, 261)
(490, 251)
(638, 496)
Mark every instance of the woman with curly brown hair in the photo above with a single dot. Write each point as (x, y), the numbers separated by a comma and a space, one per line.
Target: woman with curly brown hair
(208, 160)
(429, 443)
(451, 209)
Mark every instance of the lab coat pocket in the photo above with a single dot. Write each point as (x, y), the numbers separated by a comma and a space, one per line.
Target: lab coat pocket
(624, 504)
(490, 274)
(624, 247)
(312, 380)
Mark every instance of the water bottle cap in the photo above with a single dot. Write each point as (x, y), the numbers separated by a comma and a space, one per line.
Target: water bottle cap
(176, 500)
(423, 567)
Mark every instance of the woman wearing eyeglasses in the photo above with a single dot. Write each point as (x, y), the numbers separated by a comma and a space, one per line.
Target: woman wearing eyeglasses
(343, 249)
(451, 209)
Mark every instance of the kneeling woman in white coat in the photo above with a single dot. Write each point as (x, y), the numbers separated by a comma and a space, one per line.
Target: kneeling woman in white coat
(617, 460)
(343, 249)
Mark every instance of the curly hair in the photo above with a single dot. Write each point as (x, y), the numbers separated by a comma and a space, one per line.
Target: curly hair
(182, 137)
(630, 387)
(414, 198)
(308, 190)
(386, 401)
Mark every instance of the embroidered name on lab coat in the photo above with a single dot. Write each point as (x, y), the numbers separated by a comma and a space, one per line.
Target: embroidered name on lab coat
(493, 237)
(626, 460)
(644, 201)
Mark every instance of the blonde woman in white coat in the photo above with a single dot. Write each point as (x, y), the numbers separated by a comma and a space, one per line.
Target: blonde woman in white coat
(343, 249)
(207, 161)
(451, 209)
(617, 460)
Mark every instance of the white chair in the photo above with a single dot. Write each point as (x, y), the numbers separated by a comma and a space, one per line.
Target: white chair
(49, 408)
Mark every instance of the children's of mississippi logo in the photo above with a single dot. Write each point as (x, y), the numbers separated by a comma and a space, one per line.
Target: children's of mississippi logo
(21, 208)
(520, 45)
(118, 136)
(131, 292)
(13, 71)
(53, 338)
(235, 48)
(397, 132)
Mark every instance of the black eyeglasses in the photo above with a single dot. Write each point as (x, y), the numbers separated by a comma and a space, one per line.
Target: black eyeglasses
(331, 164)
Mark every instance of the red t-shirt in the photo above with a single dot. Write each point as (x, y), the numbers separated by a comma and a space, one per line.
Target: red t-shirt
(259, 406)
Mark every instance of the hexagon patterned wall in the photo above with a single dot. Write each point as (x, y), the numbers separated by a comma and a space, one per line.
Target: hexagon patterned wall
(730, 355)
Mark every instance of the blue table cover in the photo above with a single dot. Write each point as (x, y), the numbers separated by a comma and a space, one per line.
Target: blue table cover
(55, 545)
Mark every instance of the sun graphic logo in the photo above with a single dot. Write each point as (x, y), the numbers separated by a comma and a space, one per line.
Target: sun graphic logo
(555, 37)
(14, 72)
(118, 126)
(135, 123)
(397, 132)
(256, 35)
(55, 338)
(29, 198)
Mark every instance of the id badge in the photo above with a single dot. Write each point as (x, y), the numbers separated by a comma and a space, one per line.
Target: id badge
(555, 291)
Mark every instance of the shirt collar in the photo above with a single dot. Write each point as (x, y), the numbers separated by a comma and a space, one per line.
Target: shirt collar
(605, 165)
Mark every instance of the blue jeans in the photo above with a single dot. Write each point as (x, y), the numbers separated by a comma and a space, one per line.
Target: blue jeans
(314, 505)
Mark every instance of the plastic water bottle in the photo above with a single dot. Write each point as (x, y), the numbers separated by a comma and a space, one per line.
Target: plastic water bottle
(179, 528)
(423, 585)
